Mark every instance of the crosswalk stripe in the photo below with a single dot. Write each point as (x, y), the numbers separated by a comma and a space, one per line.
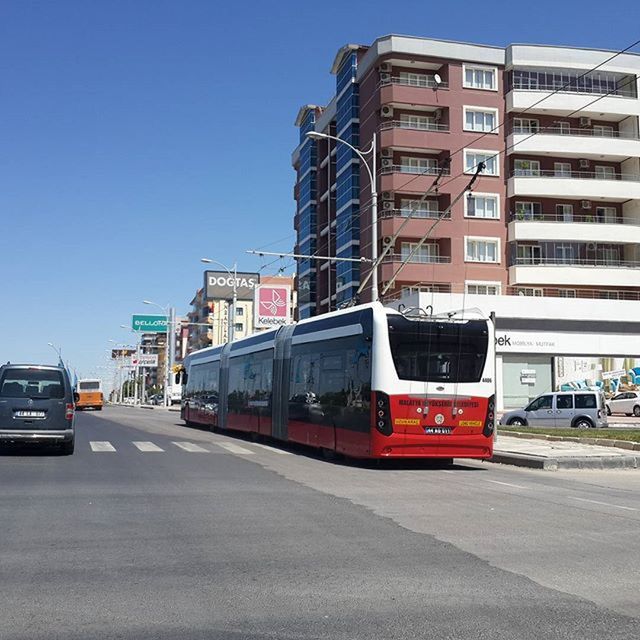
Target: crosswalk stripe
(147, 446)
(268, 448)
(191, 447)
(234, 448)
(101, 447)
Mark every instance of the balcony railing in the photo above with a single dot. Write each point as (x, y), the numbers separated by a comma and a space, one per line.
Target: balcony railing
(590, 218)
(404, 168)
(579, 175)
(574, 262)
(415, 213)
(415, 126)
(611, 89)
(574, 131)
(428, 82)
(417, 259)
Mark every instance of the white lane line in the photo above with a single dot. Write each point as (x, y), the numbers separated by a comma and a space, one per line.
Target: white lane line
(268, 448)
(506, 484)
(147, 446)
(101, 447)
(605, 504)
(191, 447)
(234, 448)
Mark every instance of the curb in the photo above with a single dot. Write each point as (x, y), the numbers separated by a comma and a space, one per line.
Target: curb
(577, 462)
(602, 442)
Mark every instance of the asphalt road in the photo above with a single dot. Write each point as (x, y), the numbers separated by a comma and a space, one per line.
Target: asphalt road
(156, 531)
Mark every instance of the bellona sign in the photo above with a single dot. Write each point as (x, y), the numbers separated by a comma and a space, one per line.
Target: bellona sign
(149, 324)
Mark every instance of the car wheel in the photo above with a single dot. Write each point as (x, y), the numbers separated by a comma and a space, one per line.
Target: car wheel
(517, 422)
(66, 448)
(636, 411)
(583, 423)
(608, 411)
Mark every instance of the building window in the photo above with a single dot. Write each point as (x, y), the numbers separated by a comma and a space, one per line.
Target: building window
(476, 77)
(562, 169)
(416, 79)
(429, 252)
(525, 125)
(526, 168)
(483, 288)
(481, 205)
(606, 214)
(419, 165)
(603, 130)
(530, 291)
(482, 250)
(528, 210)
(564, 212)
(476, 119)
(567, 293)
(528, 254)
(239, 311)
(418, 208)
(473, 158)
(410, 121)
(609, 295)
(238, 326)
(605, 173)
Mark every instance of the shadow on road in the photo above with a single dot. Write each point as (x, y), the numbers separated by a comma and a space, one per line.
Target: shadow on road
(15, 450)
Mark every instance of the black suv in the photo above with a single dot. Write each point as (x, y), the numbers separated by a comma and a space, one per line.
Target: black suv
(37, 404)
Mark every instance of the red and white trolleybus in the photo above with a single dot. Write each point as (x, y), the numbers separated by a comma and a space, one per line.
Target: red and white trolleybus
(366, 381)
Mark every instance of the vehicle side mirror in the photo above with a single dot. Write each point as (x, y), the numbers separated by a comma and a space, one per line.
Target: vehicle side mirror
(76, 397)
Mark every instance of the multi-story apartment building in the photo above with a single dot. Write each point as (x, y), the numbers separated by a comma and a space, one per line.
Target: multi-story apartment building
(556, 211)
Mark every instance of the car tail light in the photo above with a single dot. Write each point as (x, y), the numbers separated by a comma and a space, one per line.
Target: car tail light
(382, 414)
(68, 414)
(490, 418)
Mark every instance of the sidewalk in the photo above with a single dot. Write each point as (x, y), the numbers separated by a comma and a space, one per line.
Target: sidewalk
(554, 455)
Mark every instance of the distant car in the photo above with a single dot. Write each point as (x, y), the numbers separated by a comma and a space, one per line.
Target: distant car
(627, 402)
(37, 404)
(576, 409)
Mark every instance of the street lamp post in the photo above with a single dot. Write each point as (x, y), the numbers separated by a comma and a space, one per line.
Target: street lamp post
(234, 278)
(169, 313)
(316, 135)
(57, 350)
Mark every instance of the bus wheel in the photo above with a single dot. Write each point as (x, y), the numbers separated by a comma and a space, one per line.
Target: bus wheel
(328, 454)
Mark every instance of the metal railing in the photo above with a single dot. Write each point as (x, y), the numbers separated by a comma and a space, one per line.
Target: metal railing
(417, 259)
(404, 168)
(414, 213)
(428, 82)
(609, 89)
(580, 175)
(589, 218)
(573, 262)
(574, 131)
(414, 126)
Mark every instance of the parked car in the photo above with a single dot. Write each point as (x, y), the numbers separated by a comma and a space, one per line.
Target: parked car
(627, 402)
(37, 405)
(576, 409)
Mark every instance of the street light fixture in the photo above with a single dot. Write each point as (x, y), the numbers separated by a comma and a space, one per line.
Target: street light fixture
(234, 278)
(57, 350)
(316, 135)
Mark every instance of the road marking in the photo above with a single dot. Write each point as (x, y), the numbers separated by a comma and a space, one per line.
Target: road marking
(147, 446)
(268, 448)
(507, 484)
(101, 447)
(606, 504)
(191, 447)
(234, 448)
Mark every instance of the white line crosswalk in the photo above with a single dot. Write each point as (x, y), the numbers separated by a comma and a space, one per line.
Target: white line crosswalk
(234, 448)
(101, 447)
(191, 447)
(146, 446)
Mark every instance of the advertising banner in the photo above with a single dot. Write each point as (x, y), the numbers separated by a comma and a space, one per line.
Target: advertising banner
(146, 360)
(149, 323)
(125, 352)
(219, 285)
(272, 305)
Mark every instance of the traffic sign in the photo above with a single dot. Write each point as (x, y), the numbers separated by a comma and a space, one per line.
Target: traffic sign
(149, 324)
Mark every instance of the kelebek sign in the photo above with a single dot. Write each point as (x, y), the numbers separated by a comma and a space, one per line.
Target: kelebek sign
(272, 306)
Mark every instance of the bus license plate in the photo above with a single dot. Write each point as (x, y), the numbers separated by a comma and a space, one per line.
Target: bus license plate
(438, 430)
(29, 414)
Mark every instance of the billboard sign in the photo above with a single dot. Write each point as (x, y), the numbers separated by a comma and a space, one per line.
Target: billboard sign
(219, 285)
(146, 360)
(272, 306)
(125, 352)
(149, 324)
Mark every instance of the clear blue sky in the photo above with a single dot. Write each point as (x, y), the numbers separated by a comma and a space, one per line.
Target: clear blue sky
(138, 136)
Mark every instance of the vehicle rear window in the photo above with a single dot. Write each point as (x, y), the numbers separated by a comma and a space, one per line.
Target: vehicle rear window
(89, 386)
(31, 383)
(585, 400)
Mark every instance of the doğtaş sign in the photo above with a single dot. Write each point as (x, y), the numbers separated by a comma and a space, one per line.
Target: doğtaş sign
(219, 284)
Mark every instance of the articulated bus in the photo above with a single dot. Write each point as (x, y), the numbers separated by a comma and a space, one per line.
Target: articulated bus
(367, 382)
(90, 394)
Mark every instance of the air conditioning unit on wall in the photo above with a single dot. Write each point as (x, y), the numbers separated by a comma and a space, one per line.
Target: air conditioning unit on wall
(385, 67)
(385, 77)
(387, 195)
(584, 163)
(387, 240)
(386, 111)
(586, 204)
(387, 205)
(386, 153)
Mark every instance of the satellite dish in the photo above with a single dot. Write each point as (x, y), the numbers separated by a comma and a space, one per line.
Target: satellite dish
(437, 79)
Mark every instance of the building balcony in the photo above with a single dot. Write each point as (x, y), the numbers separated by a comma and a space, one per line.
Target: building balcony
(576, 228)
(421, 268)
(567, 102)
(415, 179)
(427, 136)
(574, 272)
(414, 227)
(577, 143)
(617, 187)
(397, 91)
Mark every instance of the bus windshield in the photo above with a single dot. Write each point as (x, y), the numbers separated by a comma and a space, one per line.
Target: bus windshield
(438, 351)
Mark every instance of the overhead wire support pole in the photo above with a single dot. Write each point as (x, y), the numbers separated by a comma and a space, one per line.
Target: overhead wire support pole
(479, 169)
(307, 256)
(433, 188)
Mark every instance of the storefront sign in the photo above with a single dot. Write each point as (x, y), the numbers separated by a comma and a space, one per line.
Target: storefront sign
(272, 305)
(528, 376)
(574, 343)
(219, 285)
